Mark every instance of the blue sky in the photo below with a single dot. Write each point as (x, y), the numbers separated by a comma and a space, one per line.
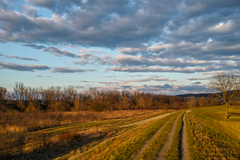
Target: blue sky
(167, 46)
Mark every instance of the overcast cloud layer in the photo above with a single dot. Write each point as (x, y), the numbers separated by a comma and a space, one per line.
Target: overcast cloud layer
(146, 36)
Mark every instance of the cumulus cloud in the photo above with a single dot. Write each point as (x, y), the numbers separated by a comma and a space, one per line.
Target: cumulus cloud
(70, 70)
(192, 88)
(19, 67)
(131, 50)
(199, 78)
(159, 47)
(145, 36)
(35, 46)
(30, 10)
(169, 69)
(22, 58)
(149, 79)
(89, 58)
(42, 3)
(129, 60)
(160, 89)
(58, 52)
(92, 23)
(223, 27)
(53, 50)
(109, 83)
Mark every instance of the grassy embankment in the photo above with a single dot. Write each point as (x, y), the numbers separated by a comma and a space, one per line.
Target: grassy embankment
(74, 133)
(127, 145)
(211, 136)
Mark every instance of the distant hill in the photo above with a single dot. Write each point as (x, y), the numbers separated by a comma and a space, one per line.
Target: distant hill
(195, 95)
(198, 95)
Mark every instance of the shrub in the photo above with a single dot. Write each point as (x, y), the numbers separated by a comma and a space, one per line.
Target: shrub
(97, 106)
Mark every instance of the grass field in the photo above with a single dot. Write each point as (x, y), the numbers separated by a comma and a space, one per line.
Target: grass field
(127, 135)
(210, 135)
(75, 134)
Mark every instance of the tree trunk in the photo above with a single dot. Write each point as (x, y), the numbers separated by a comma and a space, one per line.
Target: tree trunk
(226, 112)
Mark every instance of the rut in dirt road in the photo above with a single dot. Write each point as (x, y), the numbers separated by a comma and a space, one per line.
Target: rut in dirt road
(147, 120)
(165, 148)
(184, 146)
(149, 141)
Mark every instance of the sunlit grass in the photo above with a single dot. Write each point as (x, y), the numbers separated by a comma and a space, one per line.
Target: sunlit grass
(127, 145)
(208, 138)
(16, 141)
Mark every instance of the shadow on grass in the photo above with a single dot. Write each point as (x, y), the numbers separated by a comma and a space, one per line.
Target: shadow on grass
(228, 116)
(234, 113)
(53, 150)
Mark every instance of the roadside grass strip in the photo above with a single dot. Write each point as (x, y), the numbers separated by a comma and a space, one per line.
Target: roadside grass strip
(174, 150)
(208, 140)
(158, 142)
(127, 145)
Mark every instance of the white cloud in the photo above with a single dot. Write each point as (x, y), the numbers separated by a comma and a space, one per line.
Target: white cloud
(131, 50)
(158, 47)
(222, 27)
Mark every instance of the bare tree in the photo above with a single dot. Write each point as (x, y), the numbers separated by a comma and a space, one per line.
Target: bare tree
(3, 94)
(226, 87)
(191, 102)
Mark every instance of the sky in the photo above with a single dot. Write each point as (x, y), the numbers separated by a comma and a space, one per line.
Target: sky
(161, 46)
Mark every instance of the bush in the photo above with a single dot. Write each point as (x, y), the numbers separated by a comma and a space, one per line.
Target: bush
(97, 106)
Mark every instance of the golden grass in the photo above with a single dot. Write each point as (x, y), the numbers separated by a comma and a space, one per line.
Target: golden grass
(13, 121)
(232, 126)
(126, 145)
(77, 133)
(207, 138)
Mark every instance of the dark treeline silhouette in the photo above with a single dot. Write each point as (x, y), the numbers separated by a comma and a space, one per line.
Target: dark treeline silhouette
(68, 99)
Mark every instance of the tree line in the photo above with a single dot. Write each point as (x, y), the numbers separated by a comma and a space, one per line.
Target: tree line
(69, 99)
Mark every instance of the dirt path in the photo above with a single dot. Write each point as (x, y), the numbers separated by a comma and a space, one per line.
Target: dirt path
(149, 141)
(147, 120)
(169, 141)
(184, 146)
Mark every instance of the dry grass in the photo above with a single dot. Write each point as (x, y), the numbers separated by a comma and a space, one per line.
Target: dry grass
(69, 136)
(233, 127)
(127, 145)
(207, 138)
(53, 134)
(13, 121)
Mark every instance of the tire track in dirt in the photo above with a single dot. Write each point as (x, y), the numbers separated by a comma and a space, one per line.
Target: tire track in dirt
(140, 123)
(149, 141)
(166, 146)
(184, 146)
(147, 120)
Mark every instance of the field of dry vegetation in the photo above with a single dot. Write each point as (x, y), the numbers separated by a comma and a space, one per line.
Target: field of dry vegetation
(121, 134)
(51, 134)
(58, 123)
